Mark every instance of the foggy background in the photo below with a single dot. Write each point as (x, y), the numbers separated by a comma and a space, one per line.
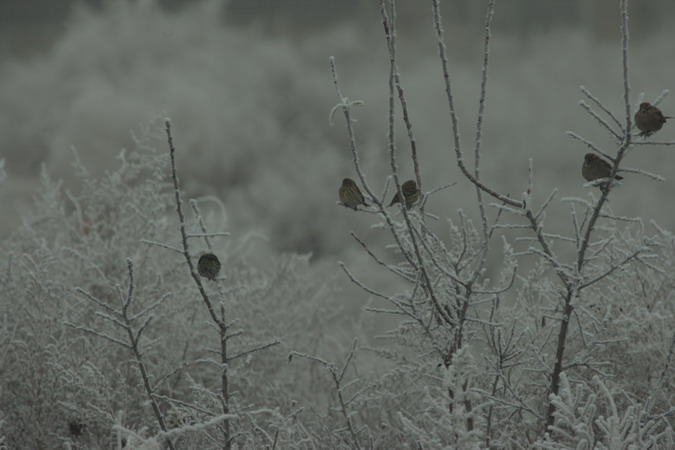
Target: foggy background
(248, 87)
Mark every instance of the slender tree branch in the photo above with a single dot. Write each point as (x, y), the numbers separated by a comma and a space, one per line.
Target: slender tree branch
(442, 50)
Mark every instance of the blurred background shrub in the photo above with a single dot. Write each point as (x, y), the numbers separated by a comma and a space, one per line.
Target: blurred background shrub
(248, 85)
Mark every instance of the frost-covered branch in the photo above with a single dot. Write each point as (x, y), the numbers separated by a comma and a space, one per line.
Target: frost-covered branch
(606, 110)
(479, 128)
(442, 51)
(597, 117)
(124, 320)
(419, 263)
(390, 34)
(590, 145)
(346, 106)
(429, 287)
(183, 230)
(338, 376)
(573, 287)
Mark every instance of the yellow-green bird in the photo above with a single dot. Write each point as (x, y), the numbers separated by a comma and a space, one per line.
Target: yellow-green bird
(410, 193)
(350, 194)
(649, 119)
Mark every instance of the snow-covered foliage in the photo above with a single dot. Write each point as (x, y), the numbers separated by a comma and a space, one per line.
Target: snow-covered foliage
(70, 369)
(589, 417)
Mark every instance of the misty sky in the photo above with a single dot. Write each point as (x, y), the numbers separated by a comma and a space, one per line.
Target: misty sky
(248, 87)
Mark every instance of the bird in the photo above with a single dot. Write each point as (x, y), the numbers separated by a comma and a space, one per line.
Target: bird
(350, 194)
(649, 119)
(595, 168)
(410, 193)
(208, 266)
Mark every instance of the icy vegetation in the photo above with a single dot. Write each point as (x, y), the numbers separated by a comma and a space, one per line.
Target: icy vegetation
(513, 307)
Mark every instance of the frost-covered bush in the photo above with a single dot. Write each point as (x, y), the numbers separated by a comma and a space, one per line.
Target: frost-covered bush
(110, 338)
(593, 305)
(69, 373)
(588, 417)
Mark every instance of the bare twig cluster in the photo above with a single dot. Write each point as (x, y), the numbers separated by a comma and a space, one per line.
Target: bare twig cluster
(123, 319)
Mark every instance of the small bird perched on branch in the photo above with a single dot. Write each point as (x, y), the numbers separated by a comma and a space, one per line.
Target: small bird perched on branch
(595, 168)
(208, 266)
(350, 194)
(649, 119)
(410, 193)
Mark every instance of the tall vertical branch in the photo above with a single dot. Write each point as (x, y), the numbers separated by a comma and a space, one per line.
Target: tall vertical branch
(220, 322)
(573, 287)
(224, 379)
(428, 284)
(390, 34)
(625, 143)
(624, 61)
(183, 230)
(134, 340)
(442, 53)
(416, 263)
(346, 106)
(479, 124)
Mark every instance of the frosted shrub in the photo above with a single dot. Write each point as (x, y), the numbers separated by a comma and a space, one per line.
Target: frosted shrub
(581, 426)
(594, 308)
(87, 270)
(504, 334)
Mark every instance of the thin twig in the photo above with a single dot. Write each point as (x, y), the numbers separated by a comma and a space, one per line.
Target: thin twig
(442, 51)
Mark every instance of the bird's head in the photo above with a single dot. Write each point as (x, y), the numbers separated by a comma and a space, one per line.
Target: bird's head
(409, 185)
(644, 106)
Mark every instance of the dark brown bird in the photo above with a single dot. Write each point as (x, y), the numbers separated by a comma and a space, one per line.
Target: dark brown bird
(208, 266)
(595, 168)
(350, 194)
(649, 119)
(76, 427)
(410, 193)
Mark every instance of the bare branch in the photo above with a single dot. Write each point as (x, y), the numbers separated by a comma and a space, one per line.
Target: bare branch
(99, 334)
(442, 50)
(601, 106)
(590, 145)
(600, 120)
